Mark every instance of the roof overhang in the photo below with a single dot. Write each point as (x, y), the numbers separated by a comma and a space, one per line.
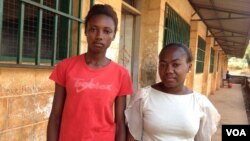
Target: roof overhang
(228, 21)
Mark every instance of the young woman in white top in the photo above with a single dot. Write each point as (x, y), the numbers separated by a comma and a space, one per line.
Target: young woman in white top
(168, 110)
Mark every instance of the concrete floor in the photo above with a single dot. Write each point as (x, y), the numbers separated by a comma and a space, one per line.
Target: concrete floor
(230, 104)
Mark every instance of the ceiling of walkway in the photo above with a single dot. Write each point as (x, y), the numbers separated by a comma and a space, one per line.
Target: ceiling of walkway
(228, 22)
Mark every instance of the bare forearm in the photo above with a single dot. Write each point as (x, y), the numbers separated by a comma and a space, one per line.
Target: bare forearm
(120, 104)
(53, 130)
(54, 123)
(120, 133)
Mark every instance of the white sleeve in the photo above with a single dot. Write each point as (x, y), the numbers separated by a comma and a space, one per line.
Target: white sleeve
(209, 121)
(134, 115)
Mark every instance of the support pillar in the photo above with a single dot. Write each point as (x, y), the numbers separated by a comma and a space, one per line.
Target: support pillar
(205, 80)
(193, 47)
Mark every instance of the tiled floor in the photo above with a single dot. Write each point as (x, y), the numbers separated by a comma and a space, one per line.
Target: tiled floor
(230, 104)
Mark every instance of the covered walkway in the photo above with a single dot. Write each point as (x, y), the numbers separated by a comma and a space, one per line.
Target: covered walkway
(231, 106)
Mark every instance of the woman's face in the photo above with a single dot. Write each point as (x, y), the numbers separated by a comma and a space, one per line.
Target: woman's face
(100, 33)
(173, 67)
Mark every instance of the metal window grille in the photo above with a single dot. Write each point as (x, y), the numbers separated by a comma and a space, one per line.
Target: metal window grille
(211, 67)
(176, 29)
(37, 32)
(200, 55)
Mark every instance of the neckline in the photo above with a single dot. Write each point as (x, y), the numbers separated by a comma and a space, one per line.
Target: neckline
(171, 93)
(91, 69)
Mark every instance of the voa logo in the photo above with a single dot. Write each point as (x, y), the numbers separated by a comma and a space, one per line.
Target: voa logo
(236, 132)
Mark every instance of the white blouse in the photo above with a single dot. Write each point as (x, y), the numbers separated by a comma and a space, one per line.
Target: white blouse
(153, 115)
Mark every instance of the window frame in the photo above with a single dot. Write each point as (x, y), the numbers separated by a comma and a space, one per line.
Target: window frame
(211, 65)
(37, 62)
(201, 51)
(176, 29)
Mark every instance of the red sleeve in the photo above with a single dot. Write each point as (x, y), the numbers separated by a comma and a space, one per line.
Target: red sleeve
(58, 74)
(126, 85)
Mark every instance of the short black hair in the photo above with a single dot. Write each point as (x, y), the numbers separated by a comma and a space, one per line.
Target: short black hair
(101, 9)
(180, 45)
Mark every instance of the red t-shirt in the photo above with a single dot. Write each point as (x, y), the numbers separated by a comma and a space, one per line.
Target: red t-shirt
(88, 108)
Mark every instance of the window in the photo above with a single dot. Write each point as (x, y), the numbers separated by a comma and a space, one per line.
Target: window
(200, 55)
(211, 67)
(176, 29)
(37, 32)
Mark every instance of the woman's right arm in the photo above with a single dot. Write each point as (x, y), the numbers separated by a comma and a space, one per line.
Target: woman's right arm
(134, 116)
(54, 122)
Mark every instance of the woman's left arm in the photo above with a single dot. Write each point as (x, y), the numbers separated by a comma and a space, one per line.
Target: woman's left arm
(120, 105)
(209, 121)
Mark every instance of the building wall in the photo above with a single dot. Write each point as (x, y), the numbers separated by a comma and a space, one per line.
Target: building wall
(182, 7)
(209, 85)
(26, 94)
(150, 36)
(25, 97)
(198, 83)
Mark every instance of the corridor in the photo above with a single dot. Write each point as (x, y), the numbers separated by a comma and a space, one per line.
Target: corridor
(231, 106)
